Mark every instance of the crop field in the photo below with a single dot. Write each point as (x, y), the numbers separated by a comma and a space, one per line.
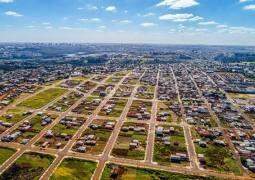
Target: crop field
(43, 98)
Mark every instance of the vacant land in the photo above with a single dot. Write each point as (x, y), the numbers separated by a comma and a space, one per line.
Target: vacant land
(43, 98)
(131, 142)
(5, 153)
(28, 166)
(87, 86)
(66, 102)
(124, 172)
(88, 105)
(100, 134)
(113, 108)
(113, 80)
(36, 127)
(145, 92)
(61, 133)
(169, 143)
(14, 115)
(72, 168)
(217, 157)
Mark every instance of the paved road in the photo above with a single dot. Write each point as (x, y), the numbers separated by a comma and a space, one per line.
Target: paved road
(105, 156)
(113, 138)
(152, 126)
(187, 133)
(27, 147)
(69, 145)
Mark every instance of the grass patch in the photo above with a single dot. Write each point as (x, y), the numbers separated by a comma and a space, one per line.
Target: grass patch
(43, 98)
(122, 148)
(72, 168)
(28, 166)
(5, 153)
(146, 174)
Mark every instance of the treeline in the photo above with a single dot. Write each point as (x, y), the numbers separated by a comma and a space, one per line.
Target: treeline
(236, 58)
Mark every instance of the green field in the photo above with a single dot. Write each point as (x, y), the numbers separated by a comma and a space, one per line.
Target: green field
(121, 148)
(72, 168)
(36, 128)
(218, 158)
(28, 166)
(17, 115)
(102, 135)
(162, 152)
(5, 153)
(131, 173)
(43, 98)
(116, 110)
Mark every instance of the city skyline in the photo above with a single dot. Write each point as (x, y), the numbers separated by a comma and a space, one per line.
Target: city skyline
(129, 21)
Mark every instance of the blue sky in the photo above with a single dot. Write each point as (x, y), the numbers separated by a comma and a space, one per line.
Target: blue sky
(129, 21)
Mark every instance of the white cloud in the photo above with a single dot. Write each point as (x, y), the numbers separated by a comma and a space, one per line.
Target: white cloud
(111, 9)
(13, 13)
(90, 20)
(31, 27)
(92, 7)
(88, 7)
(208, 23)
(249, 7)
(102, 27)
(240, 30)
(180, 17)
(6, 1)
(46, 23)
(201, 29)
(178, 4)
(222, 26)
(243, 1)
(125, 21)
(66, 28)
(147, 24)
(149, 14)
(48, 27)
(95, 19)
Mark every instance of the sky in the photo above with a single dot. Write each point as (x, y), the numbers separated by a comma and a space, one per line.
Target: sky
(216, 22)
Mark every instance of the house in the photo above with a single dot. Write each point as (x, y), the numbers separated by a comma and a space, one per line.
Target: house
(82, 149)
(175, 159)
(159, 131)
(202, 144)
